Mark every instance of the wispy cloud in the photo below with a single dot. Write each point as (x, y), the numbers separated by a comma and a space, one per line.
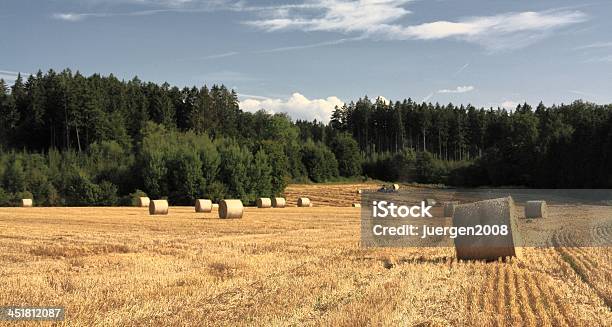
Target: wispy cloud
(154, 7)
(214, 56)
(279, 49)
(252, 96)
(599, 59)
(458, 89)
(225, 77)
(369, 18)
(583, 94)
(336, 15)
(597, 45)
(309, 46)
(377, 19)
(461, 69)
(11, 76)
(76, 17)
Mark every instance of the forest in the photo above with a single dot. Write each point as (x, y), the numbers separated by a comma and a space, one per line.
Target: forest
(69, 139)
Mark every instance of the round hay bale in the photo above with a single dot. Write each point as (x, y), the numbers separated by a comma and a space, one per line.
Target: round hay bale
(536, 209)
(215, 206)
(395, 187)
(279, 202)
(449, 208)
(430, 202)
(158, 207)
(264, 203)
(27, 203)
(500, 212)
(143, 201)
(230, 209)
(356, 205)
(304, 202)
(203, 205)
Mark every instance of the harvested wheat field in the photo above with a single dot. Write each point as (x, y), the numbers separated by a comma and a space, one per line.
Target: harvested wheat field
(327, 195)
(290, 266)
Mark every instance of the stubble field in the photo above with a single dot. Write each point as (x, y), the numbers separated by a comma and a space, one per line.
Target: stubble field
(291, 266)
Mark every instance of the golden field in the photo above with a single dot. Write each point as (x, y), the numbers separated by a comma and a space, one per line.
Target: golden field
(291, 266)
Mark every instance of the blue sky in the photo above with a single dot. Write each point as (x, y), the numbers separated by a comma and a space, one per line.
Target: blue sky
(306, 56)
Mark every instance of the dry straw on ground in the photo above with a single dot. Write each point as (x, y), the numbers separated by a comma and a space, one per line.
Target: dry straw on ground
(26, 203)
(279, 202)
(304, 202)
(264, 203)
(535, 209)
(496, 212)
(144, 202)
(158, 207)
(290, 267)
(230, 209)
(203, 205)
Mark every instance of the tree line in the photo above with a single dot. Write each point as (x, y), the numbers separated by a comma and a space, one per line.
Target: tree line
(68, 139)
(561, 146)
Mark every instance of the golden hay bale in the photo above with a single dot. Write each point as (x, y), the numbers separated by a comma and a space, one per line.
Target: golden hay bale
(215, 206)
(158, 207)
(535, 209)
(430, 202)
(230, 209)
(279, 202)
(496, 212)
(203, 205)
(143, 201)
(264, 203)
(449, 208)
(304, 202)
(27, 203)
(395, 187)
(356, 205)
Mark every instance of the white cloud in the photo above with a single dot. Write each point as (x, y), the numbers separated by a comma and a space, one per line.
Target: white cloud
(378, 19)
(459, 89)
(297, 106)
(509, 104)
(381, 98)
